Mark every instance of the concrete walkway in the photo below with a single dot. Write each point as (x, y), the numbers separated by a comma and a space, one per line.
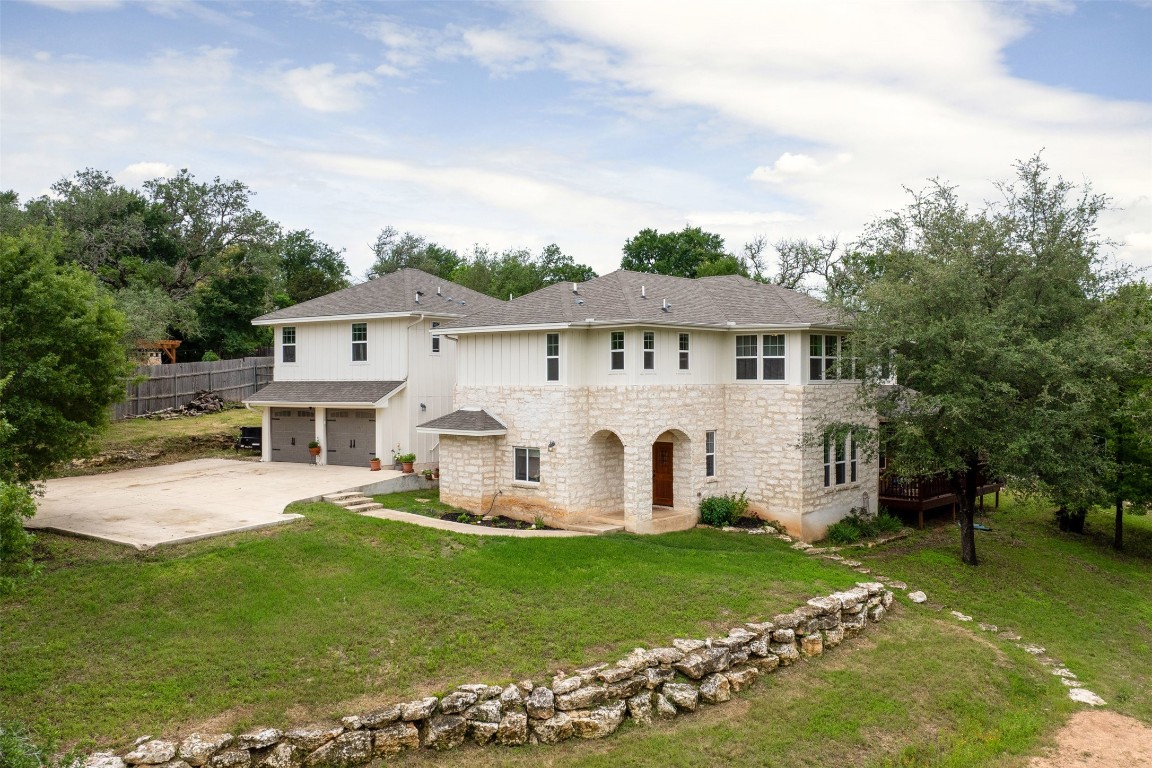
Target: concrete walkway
(191, 500)
(474, 530)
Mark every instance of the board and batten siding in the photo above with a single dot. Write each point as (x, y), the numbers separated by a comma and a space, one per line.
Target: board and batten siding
(324, 352)
(431, 380)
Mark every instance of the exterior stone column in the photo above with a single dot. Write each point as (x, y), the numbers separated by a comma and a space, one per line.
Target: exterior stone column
(321, 414)
(637, 488)
(266, 433)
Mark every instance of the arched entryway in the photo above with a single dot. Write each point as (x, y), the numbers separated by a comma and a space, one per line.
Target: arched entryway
(671, 469)
(606, 464)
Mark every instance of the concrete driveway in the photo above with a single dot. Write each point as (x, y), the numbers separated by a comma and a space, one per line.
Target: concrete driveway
(190, 500)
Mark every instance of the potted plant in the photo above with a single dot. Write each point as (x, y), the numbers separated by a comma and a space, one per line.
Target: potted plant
(427, 474)
(436, 472)
(406, 460)
(314, 448)
(374, 463)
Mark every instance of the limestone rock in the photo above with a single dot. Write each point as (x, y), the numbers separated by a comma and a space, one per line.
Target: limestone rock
(483, 692)
(457, 701)
(767, 664)
(599, 722)
(513, 730)
(877, 613)
(640, 708)
(715, 689)
(833, 637)
(393, 739)
(886, 600)
(626, 689)
(787, 653)
(563, 685)
(684, 695)
(813, 645)
(961, 616)
(703, 662)
(511, 698)
(526, 687)
(640, 658)
(667, 656)
(784, 636)
(444, 732)
(553, 730)
(854, 625)
(1085, 696)
(736, 637)
(654, 677)
(918, 597)
(826, 605)
(265, 737)
(311, 739)
(665, 710)
(759, 628)
(104, 760)
(151, 753)
(541, 703)
(873, 587)
(588, 674)
(482, 733)
(198, 748)
(741, 677)
(381, 717)
(618, 673)
(687, 646)
(280, 756)
(582, 698)
(489, 711)
(231, 758)
(348, 749)
(759, 646)
(421, 709)
(785, 621)
(352, 722)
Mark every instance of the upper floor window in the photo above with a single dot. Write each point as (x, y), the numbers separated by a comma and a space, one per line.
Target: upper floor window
(710, 454)
(552, 356)
(528, 465)
(435, 339)
(288, 343)
(617, 350)
(649, 350)
(684, 351)
(745, 357)
(359, 342)
(774, 357)
(830, 358)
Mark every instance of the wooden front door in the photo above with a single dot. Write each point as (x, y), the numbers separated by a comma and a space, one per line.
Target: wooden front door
(662, 474)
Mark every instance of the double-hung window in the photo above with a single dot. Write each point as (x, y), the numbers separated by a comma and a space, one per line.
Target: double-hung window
(684, 351)
(830, 358)
(528, 465)
(552, 356)
(288, 344)
(359, 342)
(710, 454)
(840, 459)
(435, 339)
(774, 357)
(617, 350)
(649, 350)
(746, 357)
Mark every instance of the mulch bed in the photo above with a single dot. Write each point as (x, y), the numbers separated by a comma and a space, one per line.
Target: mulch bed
(748, 523)
(494, 521)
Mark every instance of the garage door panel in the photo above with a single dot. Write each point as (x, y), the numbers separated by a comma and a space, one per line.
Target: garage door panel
(292, 430)
(351, 437)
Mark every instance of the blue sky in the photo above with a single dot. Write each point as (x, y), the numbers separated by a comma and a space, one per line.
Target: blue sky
(522, 124)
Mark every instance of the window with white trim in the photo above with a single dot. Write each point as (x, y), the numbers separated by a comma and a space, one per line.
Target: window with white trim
(552, 356)
(617, 350)
(746, 357)
(774, 357)
(840, 460)
(359, 342)
(852, 458)
(710, 454)
(649, 350)
(435, 339)
(684, 343)
(288, 344)
(528, 465)
(830, 358)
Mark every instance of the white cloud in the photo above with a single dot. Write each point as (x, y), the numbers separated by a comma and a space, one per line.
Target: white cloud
(501, 51)
(137, 173)
(321, 88)
(789, 166)
(78, 6)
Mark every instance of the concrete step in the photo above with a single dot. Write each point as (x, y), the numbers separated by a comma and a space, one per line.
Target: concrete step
(336, 498)
(365, 506)
(593, 527)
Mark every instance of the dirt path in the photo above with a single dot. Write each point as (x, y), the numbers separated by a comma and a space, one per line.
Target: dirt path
(1100, 739)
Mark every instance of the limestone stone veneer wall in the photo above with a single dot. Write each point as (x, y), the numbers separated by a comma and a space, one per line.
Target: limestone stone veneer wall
(600, 459)
(591, 703)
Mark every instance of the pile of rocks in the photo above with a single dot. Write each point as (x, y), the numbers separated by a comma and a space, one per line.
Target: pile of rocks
(591, 703)
(202, 402)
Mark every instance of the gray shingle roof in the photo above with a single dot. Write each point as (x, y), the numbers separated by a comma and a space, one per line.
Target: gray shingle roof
(394, 292)
(363, 392)
(474, 420)
(616, 298)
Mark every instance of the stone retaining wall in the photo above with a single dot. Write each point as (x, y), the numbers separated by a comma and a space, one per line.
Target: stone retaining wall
(591, 703)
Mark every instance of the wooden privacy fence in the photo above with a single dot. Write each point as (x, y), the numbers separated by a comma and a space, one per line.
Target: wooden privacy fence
(155, 387)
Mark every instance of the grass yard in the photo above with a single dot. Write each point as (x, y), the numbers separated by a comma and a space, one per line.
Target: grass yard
(418, 503)
(149, 442)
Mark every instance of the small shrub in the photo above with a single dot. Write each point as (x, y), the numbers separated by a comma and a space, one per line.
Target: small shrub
(860, 524)
(886, 522)
(719, 511)
(209, 357)
(843, 532)
(16, 506)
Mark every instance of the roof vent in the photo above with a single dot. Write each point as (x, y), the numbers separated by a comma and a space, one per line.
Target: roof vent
(575, 287)
(579, 301)
(418, 295)
(462, 302)
(667, 307)
(437, 290)
(643, 293)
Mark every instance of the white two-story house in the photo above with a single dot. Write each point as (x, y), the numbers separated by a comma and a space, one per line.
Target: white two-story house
(628, 398)
(358, 369)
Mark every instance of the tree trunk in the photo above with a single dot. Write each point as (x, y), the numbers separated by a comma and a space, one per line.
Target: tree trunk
(1118, 536)
(968, 486)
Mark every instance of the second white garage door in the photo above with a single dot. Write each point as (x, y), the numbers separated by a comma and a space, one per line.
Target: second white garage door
(351, 437)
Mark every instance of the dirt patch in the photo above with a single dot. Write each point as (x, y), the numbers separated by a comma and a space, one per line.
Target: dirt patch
(1099, 739)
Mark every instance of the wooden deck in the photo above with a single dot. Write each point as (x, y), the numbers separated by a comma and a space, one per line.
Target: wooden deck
(928, 493)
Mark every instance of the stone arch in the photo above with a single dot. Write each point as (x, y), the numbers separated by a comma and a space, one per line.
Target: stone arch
(604, 473)
(682, 486)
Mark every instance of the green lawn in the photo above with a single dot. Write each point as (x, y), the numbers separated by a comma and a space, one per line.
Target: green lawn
(417, 502)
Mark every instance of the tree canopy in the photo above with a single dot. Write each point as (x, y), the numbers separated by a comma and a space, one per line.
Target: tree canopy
(682, 253)
(982, 314)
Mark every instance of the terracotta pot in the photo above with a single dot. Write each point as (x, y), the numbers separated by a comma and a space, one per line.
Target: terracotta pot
(408, 467)
(375, 464)
(314, 451)
(436, 473)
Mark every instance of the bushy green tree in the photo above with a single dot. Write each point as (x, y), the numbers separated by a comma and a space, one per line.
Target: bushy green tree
(674, 253)
(980, 313)
(394, 251)
(516, 271)
(308, 268)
